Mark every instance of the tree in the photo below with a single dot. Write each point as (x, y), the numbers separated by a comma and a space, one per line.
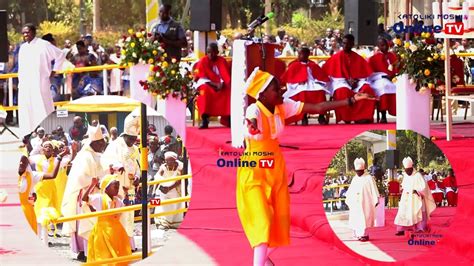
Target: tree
(335, 7)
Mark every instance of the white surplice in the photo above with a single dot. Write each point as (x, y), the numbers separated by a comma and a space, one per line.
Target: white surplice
(163, 173)
(412, 206)
(361, 197)
(35, 100)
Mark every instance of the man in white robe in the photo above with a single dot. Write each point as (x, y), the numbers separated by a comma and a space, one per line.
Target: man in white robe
(85, 166)
(362, 198)
(124, 152)
(169, 190)
(35, 101)
(416, 203)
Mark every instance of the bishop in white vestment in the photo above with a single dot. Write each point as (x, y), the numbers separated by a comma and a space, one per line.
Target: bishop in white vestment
(361, 197)
(416, 203)
(85, 166)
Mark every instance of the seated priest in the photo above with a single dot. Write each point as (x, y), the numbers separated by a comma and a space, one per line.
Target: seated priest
(213, 85)
(349, 72)
(383, 65)
(436, 187)
(305, 82)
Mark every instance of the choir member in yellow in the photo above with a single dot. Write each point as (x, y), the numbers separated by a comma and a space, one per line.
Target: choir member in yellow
(61, 180)
(46, 194)
(362, 198)
(27, 180)
(85, 166)
(416, 203)
(262, 193)
(108, 239)
(125, 153)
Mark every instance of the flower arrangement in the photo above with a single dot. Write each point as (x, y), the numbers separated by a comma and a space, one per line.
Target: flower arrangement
(423, 60)
(166, 76)
(138, 48)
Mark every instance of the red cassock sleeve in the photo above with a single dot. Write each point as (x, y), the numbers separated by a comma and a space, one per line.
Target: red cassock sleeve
(297, 72)
(440, 184)
(204, 70)
(457, 68)
(347, 65)
(449, 181)
(379, 63)
(431, 184)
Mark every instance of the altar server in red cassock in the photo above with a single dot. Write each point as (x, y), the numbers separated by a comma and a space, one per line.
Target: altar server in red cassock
(383, 65)
(436, 187)
(451, 189)
(213, 85)
(349, 73)
(305, 82)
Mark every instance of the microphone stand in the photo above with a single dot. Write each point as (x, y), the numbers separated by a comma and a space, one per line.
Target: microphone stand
(263, 51)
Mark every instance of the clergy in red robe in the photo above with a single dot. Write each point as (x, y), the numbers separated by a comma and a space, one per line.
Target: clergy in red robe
(436, 187)
(451, 189)
(305, 82)
(349, 73)
(383, 65)
(213, 85)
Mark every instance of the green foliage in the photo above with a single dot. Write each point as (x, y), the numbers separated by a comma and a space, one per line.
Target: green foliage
(332, 172)
(307, 30)
(355, 149)
(60, 30)
(14, 37)
(107, 39)
(299, 20)
(68, 12)
(438, 166)
(121, 15)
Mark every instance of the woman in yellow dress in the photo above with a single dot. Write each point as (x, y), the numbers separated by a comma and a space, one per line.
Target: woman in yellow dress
(27, 180)
(263, 200)
(108, 239)
(45, 189)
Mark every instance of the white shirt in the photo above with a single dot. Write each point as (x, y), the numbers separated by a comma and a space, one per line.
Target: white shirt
(290, 107)
(96, 201)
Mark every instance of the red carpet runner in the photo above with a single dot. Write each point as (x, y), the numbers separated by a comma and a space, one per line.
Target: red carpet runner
(214, 225)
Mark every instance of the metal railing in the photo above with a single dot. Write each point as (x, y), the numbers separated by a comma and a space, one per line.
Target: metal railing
(128, 209)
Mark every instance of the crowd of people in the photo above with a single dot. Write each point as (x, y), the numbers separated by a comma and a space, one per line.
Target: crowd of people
(91, 168)
(442, 184)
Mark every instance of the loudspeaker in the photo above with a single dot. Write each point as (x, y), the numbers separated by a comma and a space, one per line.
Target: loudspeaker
(206, 15)
(392, 159)
(3, 36)
(360, 20)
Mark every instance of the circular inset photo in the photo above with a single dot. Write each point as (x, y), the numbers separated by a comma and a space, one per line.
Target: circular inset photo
(390, 195)
(100, 174)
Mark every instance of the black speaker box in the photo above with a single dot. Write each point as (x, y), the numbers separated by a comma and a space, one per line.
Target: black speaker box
(360, 20)
(392, 159)
(3, 36)
(206, 15)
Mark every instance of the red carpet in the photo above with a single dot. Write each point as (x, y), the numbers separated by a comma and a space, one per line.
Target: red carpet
(214, 225)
